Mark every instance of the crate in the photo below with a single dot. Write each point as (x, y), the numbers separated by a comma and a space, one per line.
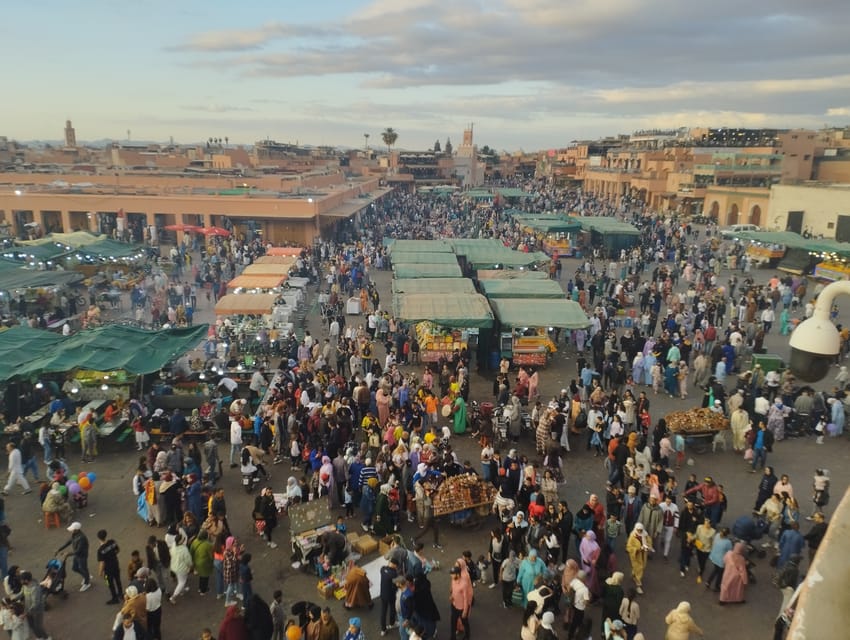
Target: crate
(365, 545)
(326, 591)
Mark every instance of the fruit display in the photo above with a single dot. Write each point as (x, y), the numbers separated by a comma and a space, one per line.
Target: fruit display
(698, 420)
(460, 492)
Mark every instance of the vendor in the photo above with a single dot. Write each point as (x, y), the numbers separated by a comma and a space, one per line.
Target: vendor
(333, 547)
(55, 502)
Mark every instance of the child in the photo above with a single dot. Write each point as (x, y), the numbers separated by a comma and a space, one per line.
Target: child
(294, 452)
(613, 529)
(278, 615)
(206, 634)
(246, 577)
(134, 565)
(348, 501)
(686, 553)
(483, 565)
(340, 525)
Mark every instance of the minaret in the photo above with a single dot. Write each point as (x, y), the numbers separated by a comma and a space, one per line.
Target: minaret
(70, 135)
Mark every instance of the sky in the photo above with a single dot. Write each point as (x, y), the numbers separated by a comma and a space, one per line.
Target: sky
(530, 74)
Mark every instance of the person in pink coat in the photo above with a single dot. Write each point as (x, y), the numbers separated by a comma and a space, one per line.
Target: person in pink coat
(733, 587)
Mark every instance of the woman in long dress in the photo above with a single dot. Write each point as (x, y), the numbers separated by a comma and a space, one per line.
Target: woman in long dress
(356, 588)
(733, 587)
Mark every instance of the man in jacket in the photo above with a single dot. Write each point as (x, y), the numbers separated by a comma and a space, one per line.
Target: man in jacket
(389, 573)
(109, 567)
(79, 544)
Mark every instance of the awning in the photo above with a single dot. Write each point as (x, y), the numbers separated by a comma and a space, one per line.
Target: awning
(423, 257)
(403, 271)
(504, 257)
(31, 352)
(346, 209)
(508, 274)
(462, 246)
(19, 278)
(107, 250)
(266, 270)
(606, 225)
(434, 285)
(254, 304)
(73, 239)
(284, 251)
(429, 246)
(445, 309)
(287, 260)
(522, 312)
(522, 289)
(256, 282)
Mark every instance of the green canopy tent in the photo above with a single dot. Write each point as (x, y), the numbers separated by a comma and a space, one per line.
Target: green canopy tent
(423, 257)
(522, 289)
(503, 257)
(462, 246)
(107, 348)
(791, 240)
(505, 274)
(19, 278)
(453, 310)
(522, 312)
(46, 252)
(404, 271)
(425, 246)
(110, 250)
(611, 233)
(435, 285)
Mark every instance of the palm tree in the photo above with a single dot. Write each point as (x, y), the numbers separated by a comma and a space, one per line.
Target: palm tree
(366, 138)
(389, 136)
(226, 141)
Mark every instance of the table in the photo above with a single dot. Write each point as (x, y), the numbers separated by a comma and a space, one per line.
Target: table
(39, 414)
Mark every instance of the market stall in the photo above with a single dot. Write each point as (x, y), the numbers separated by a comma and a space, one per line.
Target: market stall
(434, 285)
(505, 274)
(284, 251)
(536, 288)
(285, 260)
(411, 271)
(256, 304)
(445, 322)
(556, 234)
(465, 498)
(611, 233)
(525, 325)
(700, 427)
(257, 282)
(423, 257)
(266, 270)
(428, 246)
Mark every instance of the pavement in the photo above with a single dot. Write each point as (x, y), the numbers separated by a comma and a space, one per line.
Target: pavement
(112, 506)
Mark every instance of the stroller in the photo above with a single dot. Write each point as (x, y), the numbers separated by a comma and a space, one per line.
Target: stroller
(53, 582)
(749, 529)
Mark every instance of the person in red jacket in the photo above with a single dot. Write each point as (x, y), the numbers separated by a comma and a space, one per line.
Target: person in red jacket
(711, 499)
(598, 509)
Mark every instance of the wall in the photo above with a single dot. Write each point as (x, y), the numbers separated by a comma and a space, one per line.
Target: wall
(745, 198)
(822, 206)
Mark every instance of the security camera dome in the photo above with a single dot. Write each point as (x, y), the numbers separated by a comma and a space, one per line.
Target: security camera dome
(814, 345)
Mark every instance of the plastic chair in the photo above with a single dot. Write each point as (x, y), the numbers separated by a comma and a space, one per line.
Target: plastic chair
(51, 519)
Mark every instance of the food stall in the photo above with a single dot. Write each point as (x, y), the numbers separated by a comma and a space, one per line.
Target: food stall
(556, 234)
(832, 270)
(256, 282)
(525, 324)
(253, 304)
(423, 257)
(284, 251)
(518, 288)
(434, 285)
(699, 426)
(465, 498)
(443, 321)
(505, 274)
(412, 271)
(285, 260)
(262, 269)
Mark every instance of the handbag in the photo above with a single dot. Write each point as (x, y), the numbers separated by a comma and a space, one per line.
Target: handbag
(748, 454)
(516, 597)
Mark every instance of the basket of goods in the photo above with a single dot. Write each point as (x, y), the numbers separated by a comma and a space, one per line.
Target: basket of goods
(695, 421)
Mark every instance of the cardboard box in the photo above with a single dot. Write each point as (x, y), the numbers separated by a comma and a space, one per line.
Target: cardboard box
(365, 545)
(352, 538)
(326, 591)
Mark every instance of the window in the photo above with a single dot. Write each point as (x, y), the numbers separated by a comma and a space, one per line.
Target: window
(830, 225)
(808, 156)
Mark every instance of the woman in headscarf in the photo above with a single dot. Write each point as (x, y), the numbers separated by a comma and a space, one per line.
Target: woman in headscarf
(293, 491)
(638, 368)
(734, 584)
(612, 596)
(529, 569)
(508, 575)
(383, 400)
(589, 552)
(382, 523)
(680, 624)
(55, 502)
(357, 588)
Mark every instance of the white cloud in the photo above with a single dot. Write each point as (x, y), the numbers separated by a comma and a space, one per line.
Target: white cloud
(838, 112)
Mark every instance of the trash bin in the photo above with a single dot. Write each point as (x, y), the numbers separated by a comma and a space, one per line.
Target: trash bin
(495, 359)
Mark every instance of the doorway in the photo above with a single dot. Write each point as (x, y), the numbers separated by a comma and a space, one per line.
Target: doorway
(795, 222)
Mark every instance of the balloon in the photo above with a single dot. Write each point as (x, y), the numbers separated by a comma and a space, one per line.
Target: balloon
(92, 476)
(74, 488)
(74, 478)
(293, 632)
(84, 483)
(63, 489)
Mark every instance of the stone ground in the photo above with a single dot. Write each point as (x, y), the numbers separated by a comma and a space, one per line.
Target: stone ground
(112, 506)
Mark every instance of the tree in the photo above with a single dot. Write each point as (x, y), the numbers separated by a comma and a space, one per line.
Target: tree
(437, 147)
(448, 146)
(389, 136)
(226, 140)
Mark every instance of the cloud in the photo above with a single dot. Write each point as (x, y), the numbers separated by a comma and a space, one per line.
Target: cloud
(215, 108)
(562, 62)
(234, 40)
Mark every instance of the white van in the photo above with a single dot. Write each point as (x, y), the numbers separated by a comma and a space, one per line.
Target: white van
(729, 232)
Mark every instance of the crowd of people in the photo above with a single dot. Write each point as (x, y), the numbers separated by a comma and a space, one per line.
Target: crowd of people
(368, 435)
